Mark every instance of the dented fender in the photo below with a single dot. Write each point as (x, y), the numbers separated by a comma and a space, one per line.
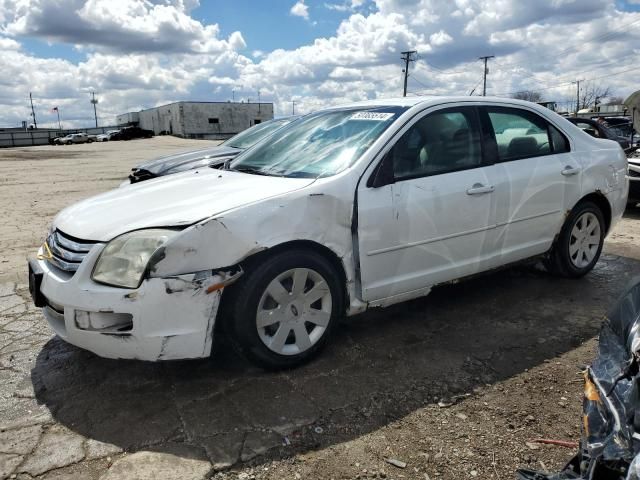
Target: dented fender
(316, 214)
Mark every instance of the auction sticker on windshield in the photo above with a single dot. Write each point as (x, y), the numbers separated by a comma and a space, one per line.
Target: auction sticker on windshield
(377, 116)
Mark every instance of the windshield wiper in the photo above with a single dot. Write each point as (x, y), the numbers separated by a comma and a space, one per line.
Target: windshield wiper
(253, 171)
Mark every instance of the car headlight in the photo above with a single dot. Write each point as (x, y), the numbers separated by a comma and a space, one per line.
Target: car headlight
(124, 260)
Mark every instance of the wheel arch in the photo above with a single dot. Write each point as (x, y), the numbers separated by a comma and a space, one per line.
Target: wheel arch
(601, 201)
(309, 245)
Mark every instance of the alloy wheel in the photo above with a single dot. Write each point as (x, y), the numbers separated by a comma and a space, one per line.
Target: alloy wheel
(584, 241)
(294, 311)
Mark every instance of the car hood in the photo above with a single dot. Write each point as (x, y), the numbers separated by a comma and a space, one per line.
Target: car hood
(175, 200)
(161, 165)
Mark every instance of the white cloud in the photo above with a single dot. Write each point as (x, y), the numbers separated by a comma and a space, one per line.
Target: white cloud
(440, 38)
(117, 25)
(300, 10)
(140, 53)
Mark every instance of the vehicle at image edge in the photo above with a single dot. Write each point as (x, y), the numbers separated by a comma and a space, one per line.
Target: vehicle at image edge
(105, 137)
(599, 130)
(622, 126)
(74, 138)
(208, 157)
(348, 208)
(633, 158)
(130, 133)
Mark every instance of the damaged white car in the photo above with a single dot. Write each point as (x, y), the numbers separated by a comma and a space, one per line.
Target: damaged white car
(354, 207)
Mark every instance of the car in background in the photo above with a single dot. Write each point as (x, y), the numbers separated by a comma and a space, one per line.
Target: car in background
(599, 130)
(208, 157)
(129, 133)
(349, 208)
(105, 137)
(74, 138)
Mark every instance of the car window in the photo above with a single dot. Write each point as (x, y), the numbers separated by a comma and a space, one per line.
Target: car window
(559, 142)
(590, 129)
(441, 142)
(318, 145)
(253, 135)
(519, 133)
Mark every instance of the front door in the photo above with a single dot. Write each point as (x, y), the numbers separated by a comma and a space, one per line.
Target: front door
(431, 223)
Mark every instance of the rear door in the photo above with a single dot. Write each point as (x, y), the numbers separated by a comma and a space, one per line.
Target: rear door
(429, 222)
(536, 178)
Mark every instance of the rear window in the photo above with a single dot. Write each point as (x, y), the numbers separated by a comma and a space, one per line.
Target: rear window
(522, 134)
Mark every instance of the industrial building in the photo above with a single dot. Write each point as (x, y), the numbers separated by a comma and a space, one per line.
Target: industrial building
(212, 120)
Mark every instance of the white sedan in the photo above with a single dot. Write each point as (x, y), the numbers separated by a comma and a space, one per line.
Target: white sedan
(349, 208)
(105, 137)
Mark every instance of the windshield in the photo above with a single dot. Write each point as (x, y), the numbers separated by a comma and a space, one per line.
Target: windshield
(253, 135)
(319, 145)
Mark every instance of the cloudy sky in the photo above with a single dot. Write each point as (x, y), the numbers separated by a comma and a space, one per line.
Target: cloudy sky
(140, 53)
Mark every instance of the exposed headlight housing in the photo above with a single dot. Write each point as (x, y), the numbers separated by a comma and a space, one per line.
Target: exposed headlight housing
(124, 260)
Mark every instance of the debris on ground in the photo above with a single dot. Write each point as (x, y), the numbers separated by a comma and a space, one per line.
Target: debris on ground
(610, 444)
(396, 463)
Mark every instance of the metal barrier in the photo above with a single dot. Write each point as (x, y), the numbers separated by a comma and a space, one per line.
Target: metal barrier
(27, 138)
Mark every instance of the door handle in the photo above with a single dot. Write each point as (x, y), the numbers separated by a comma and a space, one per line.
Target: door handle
(569, 170)
(479, 189)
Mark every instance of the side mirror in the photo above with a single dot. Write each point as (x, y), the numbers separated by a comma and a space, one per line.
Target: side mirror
(383, 173)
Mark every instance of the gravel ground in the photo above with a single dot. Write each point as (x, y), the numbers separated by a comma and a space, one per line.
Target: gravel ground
(451, 386)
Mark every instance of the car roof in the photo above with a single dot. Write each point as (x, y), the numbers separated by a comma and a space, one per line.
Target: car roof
(435, 100)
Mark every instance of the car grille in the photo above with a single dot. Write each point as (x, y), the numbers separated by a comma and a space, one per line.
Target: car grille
(67, 253)
(633, 173)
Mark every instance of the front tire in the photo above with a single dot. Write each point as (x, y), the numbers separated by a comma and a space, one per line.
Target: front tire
(285, 309)
(578, 247)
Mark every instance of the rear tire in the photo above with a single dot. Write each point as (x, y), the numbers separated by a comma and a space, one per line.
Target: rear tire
(578, 247)
(285, 309)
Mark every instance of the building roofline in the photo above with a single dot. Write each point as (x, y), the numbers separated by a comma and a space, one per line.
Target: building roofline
(197, 102)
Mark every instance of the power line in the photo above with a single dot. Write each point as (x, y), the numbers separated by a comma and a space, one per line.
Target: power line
(610, 33)
(549, 87)
(419, 82)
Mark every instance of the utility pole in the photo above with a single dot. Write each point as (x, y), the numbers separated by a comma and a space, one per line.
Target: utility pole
(484, 76)
(233, 95)
(293, 107)
(407, 57)
(577, 82)
(33, 112)
(94, 102)
(258, 101)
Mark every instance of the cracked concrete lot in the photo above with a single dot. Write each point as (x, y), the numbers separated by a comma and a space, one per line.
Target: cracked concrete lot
(453, 385)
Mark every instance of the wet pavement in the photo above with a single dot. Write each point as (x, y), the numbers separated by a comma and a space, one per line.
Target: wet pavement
(66, 413)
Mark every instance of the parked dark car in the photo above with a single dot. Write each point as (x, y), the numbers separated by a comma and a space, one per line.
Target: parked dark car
(129, 133)
(599, 130)
(212, 156)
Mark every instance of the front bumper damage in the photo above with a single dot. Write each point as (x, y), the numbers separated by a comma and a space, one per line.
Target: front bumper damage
(610, 444)
(169, 317)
